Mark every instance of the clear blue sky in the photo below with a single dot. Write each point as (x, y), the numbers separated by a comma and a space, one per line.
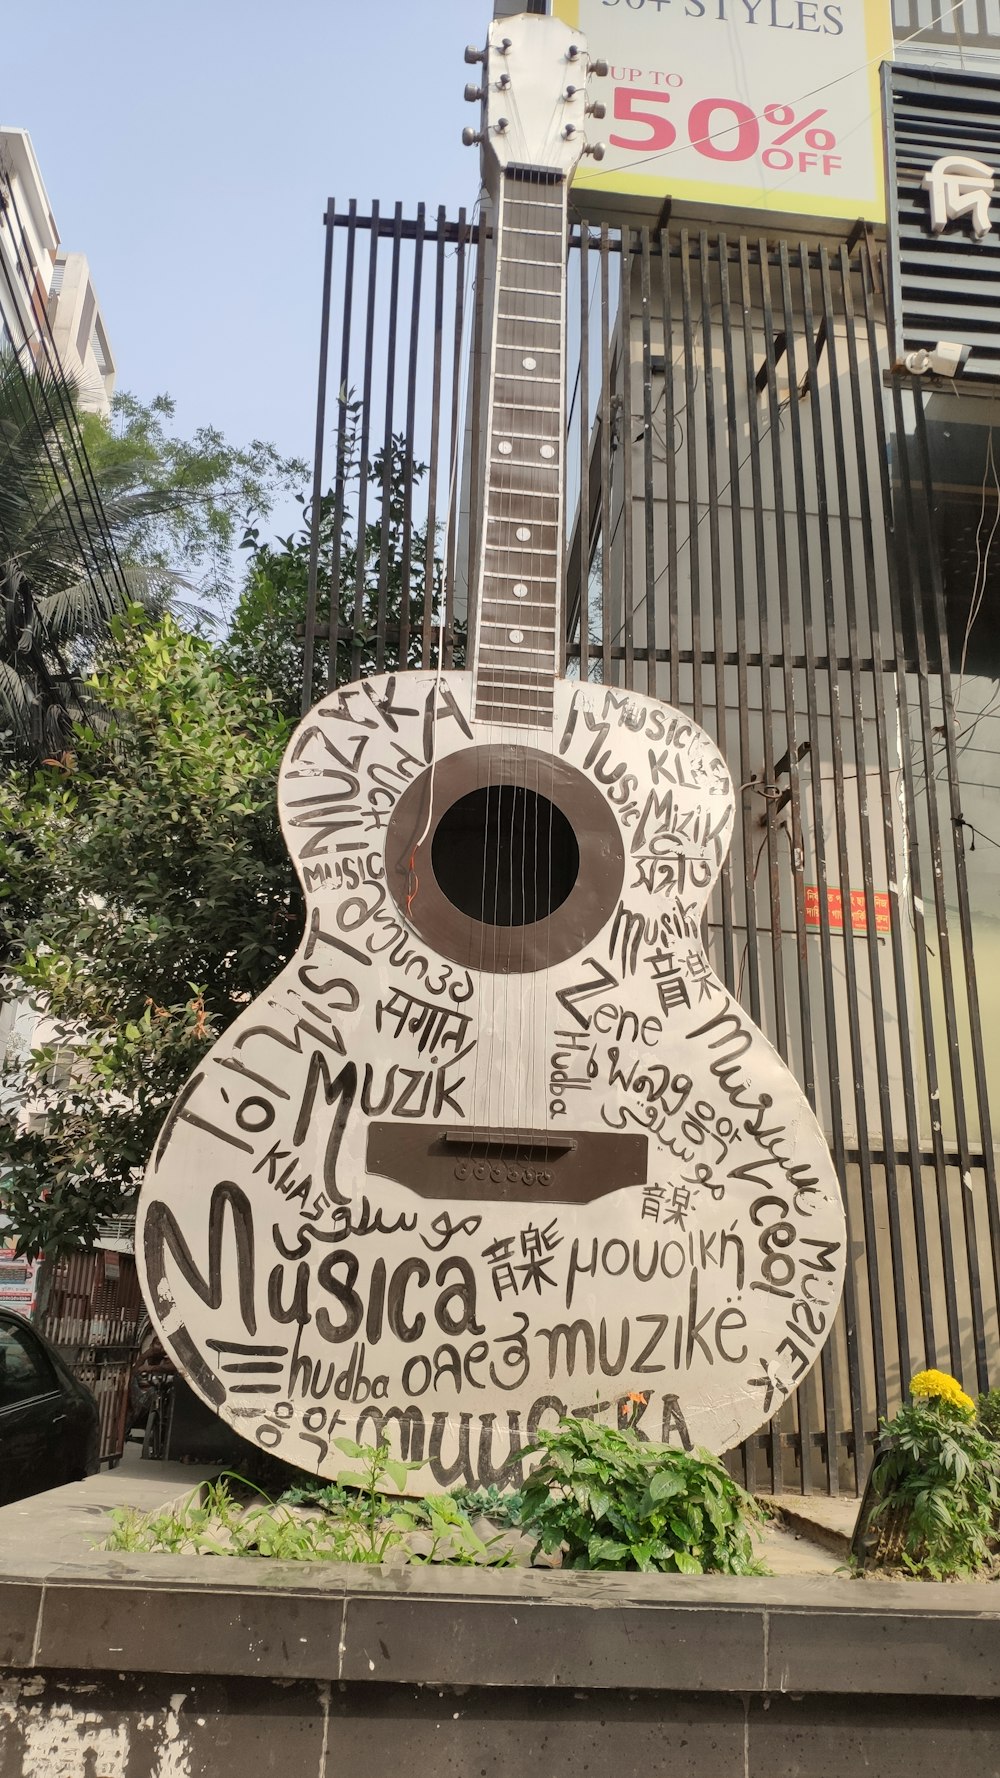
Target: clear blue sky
(189, 146)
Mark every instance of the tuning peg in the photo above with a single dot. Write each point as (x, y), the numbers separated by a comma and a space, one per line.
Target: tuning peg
(597, 149)
(572, 52)
(472, 93)
(504, 45)
(569, 129)
(472, 54)
(571, 92)
(470, 136)
(595, 110)
(599, 67)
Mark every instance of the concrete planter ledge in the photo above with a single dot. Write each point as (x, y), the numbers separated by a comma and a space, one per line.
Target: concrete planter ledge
(237, 1666)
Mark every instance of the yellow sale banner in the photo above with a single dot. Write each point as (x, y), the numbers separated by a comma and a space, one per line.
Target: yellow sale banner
(766, 105)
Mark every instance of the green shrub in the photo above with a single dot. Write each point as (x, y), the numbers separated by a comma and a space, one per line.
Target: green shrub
(988, 1413)
(609, 1500)
(938, 1477)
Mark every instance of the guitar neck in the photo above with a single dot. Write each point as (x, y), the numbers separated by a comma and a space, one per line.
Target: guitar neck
(518, 608)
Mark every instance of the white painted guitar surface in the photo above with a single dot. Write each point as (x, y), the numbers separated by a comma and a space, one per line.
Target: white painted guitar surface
(308, 1297)
(497, 1145)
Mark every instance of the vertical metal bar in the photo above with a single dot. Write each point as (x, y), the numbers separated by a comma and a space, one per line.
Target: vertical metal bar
(430, 540)
(819, 852)
(887, 798)
(605, 460)
(692, 539)
(744, 810)
(388, 447)
(779, 1028)
(952, 1039)
(477, 475)
(315, 512)
(361, 544)
(406, 555)
(724, 889)
(856, 701)
(840, 831)
(962, 884)
(792, 755)
(627, 446)
(897, 555)
(669, 426)
(788, 680)
(343, 461)
(454, 441)
(584, 270)
(921, 949)
(647, 466)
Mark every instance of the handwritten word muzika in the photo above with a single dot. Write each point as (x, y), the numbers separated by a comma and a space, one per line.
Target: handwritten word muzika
(416, 1193)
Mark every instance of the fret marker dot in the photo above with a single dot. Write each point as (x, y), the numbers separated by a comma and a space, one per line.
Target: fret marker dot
(505, 447)
(529, 363)
(523, 534)
(547, 451)
(516, 635)
(520, 590)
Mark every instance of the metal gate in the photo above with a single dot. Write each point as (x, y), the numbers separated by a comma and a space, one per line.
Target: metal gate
(93, 1311)
(756, 544)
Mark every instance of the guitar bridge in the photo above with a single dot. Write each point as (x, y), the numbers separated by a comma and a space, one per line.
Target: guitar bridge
(506, 1166)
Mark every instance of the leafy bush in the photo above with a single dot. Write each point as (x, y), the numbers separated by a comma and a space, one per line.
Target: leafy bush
(490, 1503)
(610, 1500)
(988, 1413)
(938, 1477)
(350, 1520)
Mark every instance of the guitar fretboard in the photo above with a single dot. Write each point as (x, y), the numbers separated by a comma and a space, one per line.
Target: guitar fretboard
(518, 608)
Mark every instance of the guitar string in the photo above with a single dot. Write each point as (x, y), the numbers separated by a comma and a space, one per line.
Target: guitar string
(558, 538)
(502, 483)
(480, 1111)
(528, 1057)
(526, 990)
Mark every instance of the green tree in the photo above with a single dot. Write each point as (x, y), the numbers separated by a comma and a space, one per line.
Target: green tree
(148, 895)
(145, 891)
(93, 516)
(265, 640)
(196, 496)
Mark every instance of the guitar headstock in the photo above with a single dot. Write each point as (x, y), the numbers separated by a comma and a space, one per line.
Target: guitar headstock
(533, 96)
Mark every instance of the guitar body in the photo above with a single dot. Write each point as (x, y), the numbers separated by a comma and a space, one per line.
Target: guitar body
(456, 1175)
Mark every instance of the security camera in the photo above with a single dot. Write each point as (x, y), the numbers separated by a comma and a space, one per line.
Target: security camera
(946, 359)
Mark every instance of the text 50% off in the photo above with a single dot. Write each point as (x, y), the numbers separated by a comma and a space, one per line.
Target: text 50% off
(727, 130)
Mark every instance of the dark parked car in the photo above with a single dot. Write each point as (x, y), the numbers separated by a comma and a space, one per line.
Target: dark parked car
(49, 1432)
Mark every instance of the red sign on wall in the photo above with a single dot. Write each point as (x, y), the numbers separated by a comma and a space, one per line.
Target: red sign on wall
(835, 910)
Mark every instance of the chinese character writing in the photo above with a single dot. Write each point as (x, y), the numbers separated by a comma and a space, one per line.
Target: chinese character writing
(499, 1256)
(700, 970)
(537, 1246)
(670, 985)
(652, 1200)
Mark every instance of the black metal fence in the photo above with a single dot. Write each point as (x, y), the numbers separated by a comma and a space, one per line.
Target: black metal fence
(969, 24)
(756, 543)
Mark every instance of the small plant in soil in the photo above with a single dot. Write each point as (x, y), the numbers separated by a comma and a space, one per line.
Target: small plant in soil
(937, 1479)
(607, 1499)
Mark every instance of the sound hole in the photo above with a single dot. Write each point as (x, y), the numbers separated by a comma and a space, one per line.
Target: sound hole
(505, 855)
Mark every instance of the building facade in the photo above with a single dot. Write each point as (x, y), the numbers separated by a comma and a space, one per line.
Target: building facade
(48, 304)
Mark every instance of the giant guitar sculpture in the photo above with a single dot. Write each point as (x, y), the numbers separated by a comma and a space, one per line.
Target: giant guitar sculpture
(497, 1144)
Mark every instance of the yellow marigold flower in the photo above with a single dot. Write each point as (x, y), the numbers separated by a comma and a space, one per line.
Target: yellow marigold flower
(931, 1385)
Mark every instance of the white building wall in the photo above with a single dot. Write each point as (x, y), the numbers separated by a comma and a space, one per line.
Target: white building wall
(44, 288)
